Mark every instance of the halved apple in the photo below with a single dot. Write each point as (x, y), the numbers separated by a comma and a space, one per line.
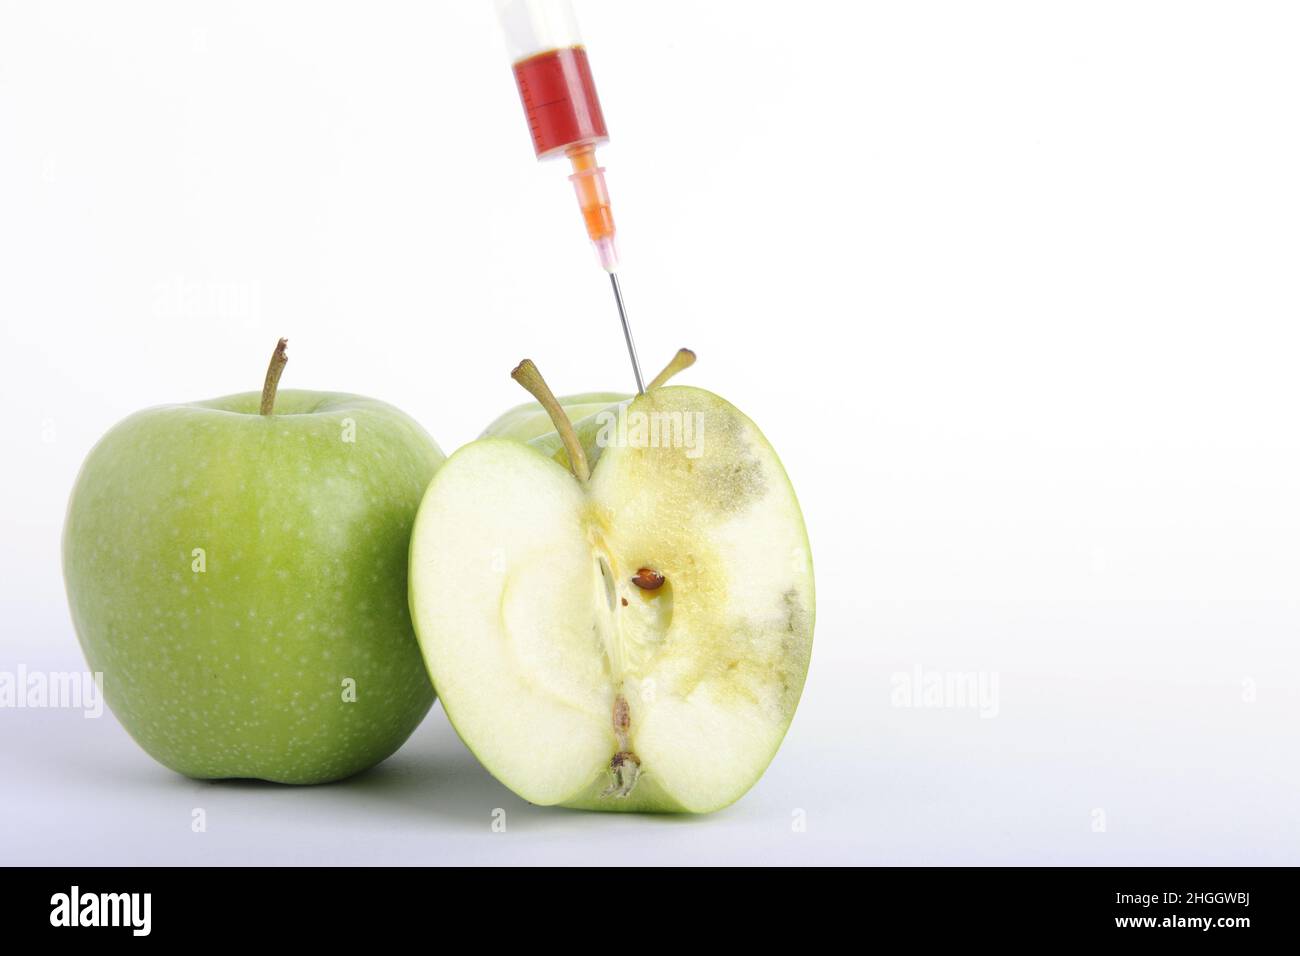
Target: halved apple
(633, 637)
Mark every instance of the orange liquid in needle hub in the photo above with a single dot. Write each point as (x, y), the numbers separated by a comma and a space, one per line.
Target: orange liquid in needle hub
(593, 198)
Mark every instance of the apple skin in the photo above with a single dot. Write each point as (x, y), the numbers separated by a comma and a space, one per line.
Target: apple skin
(236, 660)
(529, 420)
(529, 423)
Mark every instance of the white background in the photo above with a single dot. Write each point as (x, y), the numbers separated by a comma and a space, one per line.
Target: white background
(1012, 288)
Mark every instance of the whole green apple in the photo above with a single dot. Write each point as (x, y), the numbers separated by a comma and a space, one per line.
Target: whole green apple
(617, 613)
(237, 570)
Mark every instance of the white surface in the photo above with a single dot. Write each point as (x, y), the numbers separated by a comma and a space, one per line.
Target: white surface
(1010, 287)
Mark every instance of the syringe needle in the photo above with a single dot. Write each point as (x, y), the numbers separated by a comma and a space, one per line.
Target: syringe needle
(627, 333)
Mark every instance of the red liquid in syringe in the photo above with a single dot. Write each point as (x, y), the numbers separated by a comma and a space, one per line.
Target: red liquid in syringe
(559, 98)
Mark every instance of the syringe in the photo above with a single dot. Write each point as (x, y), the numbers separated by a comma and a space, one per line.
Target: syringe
(565, 119)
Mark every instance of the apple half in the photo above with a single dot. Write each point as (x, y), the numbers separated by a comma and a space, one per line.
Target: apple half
(633, 636)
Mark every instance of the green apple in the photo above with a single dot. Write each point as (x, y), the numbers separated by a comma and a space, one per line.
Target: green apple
(629, 636)
(237, 570)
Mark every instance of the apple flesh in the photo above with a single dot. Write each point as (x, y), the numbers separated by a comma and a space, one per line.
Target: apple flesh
(239, 579)
(637, 641)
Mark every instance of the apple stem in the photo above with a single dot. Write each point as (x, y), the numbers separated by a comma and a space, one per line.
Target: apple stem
(526, 374)
(684, 359)
(278, 361)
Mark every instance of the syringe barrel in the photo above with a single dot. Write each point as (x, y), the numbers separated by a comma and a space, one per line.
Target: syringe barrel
(560, 103)
(553, 75)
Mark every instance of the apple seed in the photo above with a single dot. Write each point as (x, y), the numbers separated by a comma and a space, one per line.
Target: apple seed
(648, 579)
